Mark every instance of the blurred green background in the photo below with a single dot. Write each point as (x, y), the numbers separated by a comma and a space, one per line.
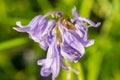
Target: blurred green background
(19, 54)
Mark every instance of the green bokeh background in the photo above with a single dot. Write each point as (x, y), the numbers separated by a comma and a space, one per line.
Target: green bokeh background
(19, 54)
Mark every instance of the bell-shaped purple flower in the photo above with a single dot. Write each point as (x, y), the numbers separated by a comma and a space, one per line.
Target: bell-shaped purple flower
(62, 37)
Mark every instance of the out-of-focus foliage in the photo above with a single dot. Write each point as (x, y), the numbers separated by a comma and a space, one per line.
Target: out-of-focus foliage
(19, 54)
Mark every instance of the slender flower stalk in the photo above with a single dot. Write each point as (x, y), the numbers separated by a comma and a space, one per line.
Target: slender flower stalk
(62, 37)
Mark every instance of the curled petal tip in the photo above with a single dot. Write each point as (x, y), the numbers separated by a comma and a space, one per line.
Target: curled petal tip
(18, 23)
(14, 28)
(89, 43)
(45, 71)
(21, 29)
(98, 24)
(75, 12)
(90, 22)
(41, 62)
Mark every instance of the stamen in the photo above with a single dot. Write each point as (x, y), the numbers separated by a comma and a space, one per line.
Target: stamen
(58, 13)
(52, 15)
(58, 35)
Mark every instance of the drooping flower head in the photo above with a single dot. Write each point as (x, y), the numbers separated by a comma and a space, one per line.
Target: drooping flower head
(62, 37)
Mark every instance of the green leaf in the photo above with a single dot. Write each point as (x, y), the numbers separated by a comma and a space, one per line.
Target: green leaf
(12, 43)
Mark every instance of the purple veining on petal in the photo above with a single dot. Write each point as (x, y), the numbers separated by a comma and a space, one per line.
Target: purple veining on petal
(35, 20)
(46, 36)
(49, 27)
(42, 24)
(68, 52)
(56, 65)
(71, 40)
(49, 39)
(85, 43)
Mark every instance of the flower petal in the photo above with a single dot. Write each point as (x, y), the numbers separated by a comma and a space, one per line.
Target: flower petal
(43, 45)
(41, 62)
(89, 43)
(62, 64)
(85, 42)
(35, 20)
(56, 63)
(39, 27)
(70, 53)
(75, 13)
(49, 27)
(46, 66)
(45, 71)
(55, 67)
(73, 42)
(32, 22)
(90, 22)
(22, 29)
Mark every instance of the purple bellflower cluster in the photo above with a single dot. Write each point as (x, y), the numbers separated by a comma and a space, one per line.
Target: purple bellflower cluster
(62, 37)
